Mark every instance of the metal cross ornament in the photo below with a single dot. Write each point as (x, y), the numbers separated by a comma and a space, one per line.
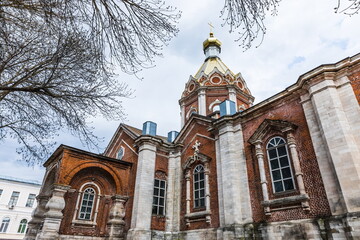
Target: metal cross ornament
(211, 26)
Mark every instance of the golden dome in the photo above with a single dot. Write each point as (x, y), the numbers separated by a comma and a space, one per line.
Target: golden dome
(211, 41)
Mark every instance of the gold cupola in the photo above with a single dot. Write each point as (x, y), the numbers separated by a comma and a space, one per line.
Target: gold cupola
(212, 47)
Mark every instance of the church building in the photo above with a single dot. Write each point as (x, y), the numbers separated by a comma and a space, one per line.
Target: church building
(285, 168)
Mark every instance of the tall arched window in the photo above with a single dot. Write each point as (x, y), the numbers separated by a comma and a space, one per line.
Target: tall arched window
(87, 204)
(199, 186)
(281, 173)
(22, 226)
(4, 224)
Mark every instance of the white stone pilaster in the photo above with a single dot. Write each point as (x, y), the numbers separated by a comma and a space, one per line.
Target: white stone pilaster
(183, 114)
(235, 194)
(173, 195)
(202, 102)
(260, 157)
(207, 187)
(232, 97)
(296, 162)
(335, 129)
(220, 183)
(188, 198)
(323, 157)
(144, 187)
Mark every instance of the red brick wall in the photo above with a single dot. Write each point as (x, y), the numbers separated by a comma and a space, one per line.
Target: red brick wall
(122, 183)
(161, 165)
(288, 110)
(107, 187)
(207, 148)
(355, 83)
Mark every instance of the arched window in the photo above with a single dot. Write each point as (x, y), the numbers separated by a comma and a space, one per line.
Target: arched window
(199, 186)
(216, 108)
(87, 204)
(4, 224)
(22, 226)
(281, 173)
(120, 153)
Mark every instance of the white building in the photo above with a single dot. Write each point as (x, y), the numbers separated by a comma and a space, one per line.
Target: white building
(17, 201)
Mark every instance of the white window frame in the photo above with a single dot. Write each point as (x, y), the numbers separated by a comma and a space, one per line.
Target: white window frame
(275, 146)
(22, 226)
(156, 198)
(4, 224)
(92, 221)
(197, 171)
(14, 198)
(31, 200)
(86, 205)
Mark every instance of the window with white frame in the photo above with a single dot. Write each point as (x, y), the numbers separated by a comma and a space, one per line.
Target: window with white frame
(280, 167)
(199, 186)
(158, 206)
(14, 198)
(120, 153)
(87, 204)
(22, 226)
(4, 224)
(30, 201)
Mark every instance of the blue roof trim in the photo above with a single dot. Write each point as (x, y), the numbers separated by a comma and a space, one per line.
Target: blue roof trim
(13, 179)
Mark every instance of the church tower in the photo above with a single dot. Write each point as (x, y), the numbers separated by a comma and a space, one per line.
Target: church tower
(213, 83)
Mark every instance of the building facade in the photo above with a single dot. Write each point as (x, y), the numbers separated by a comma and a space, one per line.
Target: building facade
(285, 168)
(17, 201)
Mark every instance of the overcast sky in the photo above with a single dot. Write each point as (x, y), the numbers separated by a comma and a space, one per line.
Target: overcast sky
(304, 35)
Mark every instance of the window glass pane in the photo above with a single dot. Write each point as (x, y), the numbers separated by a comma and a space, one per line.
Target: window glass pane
(202, 192)
(196, 194)
(288, 184)
(274, 164)
(272, 153)
(202, 202)
(278, 187)
(159, 197)
(286, 172)
(281, 151)
(154, 210)
(196, 177)
(202, 184)
(196, 203)
(284, 161)
(87, 204)
(279, 162)
(196, 185)
(276, 175)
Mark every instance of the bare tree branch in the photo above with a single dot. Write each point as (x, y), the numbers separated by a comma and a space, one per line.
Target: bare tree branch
(56, 61)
